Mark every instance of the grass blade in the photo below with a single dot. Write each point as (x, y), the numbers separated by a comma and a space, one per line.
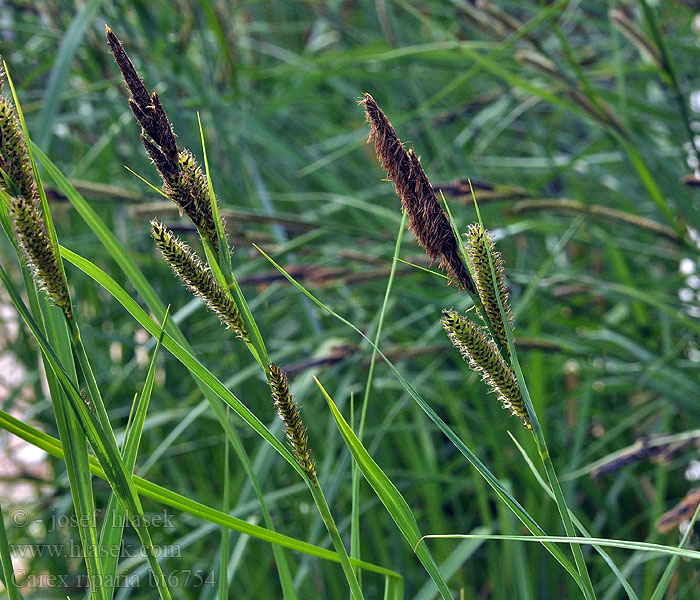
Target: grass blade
(114, 521)
(156, 306)
(224, 263)
(613, 567)
(665, 580)
(624, 544)
(355, 529)
(537, 432)
(218, 388)
(184, 356)
(54, 327)
(177, 501)
(101, 441)
(389, 495)
(61, 69)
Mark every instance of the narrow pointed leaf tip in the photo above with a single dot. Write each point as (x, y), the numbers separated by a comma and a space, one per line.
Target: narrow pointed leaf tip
(427, 219)
(479, 350)
(293, 425)
(199, 280)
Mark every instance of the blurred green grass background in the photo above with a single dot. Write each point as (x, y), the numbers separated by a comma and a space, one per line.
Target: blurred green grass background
(608, 330)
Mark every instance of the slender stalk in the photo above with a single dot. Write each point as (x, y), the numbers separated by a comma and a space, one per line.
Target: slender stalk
(147, 489)
(558, 493)
(380, 324)
(325, 512)
(223, 573)
(355, 536)
(294, 429)
(34, 226)
(503, 493)
(538, 435)
(88, 378)
(220, 263)
(72, 440)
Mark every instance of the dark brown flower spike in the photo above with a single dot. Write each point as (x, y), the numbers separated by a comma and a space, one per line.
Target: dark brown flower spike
(477, 347)
(146, 107)
(480, 244)
(199, 280)
(34, 240)
(293, 425)
(427, 219)
(184, 182)
(657, 448)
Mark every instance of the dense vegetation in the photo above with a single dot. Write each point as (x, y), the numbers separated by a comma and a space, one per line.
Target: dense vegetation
(575, 123)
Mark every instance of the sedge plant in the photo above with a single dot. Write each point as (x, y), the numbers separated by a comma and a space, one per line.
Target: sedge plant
(186, 184)
(483, 335)
(488, 348)
(80, 412)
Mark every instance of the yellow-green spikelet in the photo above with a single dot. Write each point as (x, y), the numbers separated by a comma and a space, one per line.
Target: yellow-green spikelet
(479, 350)
(34, 240)
(480, 244)
(190, 188)
(14, 159)
(293, 425)
(199, 280)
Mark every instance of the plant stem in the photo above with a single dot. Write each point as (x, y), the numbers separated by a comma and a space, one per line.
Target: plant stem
(223, 573)
(538, 434)
(325, 511)
(560, 500)
(355, 537)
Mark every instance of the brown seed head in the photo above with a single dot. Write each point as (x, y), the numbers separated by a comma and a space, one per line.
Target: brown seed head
(199, 280)
(426, 217)
(289, 413)
(683, 511)
(480, 351)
